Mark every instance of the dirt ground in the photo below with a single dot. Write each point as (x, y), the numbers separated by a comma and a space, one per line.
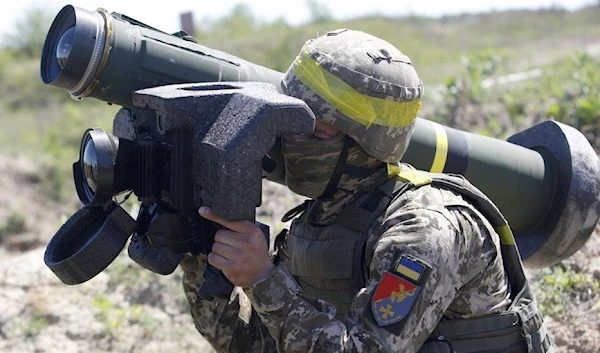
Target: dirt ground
(20, 194)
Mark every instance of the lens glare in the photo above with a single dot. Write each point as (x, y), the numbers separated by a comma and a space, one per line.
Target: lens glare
(65, 44)
(90, 165)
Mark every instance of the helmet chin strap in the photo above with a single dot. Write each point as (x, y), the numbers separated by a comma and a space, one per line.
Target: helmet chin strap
(342, 167)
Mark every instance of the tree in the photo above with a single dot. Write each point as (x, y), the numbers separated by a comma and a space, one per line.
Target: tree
(28, 33)
(239, 23)
(319, 12)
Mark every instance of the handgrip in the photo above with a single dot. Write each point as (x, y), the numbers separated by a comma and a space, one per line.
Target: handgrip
(215, 284)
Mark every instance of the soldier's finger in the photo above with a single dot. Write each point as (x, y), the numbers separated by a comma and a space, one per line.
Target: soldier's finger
(229, 237)
(238, 226)
(224, 250)
(218, 261)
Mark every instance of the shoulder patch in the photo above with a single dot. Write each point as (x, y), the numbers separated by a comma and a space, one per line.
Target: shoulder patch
(398, 290)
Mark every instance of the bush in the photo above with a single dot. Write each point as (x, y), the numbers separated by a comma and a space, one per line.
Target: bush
(567, 90)
(562, 291)
(15, 223)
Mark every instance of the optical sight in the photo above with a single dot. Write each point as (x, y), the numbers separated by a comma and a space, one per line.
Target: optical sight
(104, 167)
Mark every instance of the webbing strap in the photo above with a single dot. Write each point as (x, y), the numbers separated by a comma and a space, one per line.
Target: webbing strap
(361, 213)
(477, 326)
(492, 333)
(330, 296)
(538, 341)
(413, 176)
(355, 218)
(516, 334)
(338, 171)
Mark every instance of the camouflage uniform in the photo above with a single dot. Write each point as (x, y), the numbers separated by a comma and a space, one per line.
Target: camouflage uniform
(436, 226)
(427, 248)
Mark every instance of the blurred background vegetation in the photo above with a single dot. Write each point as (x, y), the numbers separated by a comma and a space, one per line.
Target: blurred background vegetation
(467, 62)
(495, 74)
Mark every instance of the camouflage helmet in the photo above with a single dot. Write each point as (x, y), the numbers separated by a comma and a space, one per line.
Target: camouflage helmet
(363, 86)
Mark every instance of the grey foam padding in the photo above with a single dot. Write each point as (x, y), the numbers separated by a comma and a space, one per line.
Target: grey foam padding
(233, 125)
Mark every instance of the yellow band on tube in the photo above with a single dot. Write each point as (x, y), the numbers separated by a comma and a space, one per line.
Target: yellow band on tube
(441, 149)
(359, 107)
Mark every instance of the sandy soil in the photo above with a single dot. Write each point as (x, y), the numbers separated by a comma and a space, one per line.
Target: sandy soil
(20, 194)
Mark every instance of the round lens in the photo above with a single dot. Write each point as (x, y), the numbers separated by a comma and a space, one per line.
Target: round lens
(90, 165)
(65, 44)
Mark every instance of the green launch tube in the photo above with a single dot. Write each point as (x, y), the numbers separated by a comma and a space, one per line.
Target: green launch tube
(110, 56)
(509, 174)
(545, 179)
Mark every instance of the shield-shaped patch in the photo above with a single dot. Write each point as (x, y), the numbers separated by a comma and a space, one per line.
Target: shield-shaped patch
(393, 299)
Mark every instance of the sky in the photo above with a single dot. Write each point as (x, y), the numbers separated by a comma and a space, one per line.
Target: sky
(165, 15)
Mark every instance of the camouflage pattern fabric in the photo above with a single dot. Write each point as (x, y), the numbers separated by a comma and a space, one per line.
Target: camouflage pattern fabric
(310, 162)
(228, 325)
(371, 67)
(302, 154)
(433, 225)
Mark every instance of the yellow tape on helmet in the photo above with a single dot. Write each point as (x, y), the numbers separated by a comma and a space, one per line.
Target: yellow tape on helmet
(361, 108)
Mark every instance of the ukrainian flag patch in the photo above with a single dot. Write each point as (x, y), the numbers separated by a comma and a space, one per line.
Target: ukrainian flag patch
(410, 268)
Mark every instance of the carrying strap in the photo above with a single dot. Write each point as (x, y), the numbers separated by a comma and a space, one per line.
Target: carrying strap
(458, 183)
(342, 167)
(521, 327)
(493, 333)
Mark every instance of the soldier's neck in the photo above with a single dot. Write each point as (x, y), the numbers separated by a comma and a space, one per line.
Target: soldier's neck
(325, 212)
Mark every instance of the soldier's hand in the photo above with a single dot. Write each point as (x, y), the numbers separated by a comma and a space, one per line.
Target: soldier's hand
(241, 251)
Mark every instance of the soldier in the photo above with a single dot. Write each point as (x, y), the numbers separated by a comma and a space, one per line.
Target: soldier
(381, 257)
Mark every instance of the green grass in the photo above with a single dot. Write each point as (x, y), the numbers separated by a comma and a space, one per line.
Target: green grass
(38, 321)
(562, 292)
(15, 223)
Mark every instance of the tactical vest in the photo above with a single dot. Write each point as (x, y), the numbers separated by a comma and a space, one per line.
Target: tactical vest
(329, 262)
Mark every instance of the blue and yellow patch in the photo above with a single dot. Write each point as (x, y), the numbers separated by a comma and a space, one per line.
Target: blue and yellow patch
(410, 268)
(398, 290)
